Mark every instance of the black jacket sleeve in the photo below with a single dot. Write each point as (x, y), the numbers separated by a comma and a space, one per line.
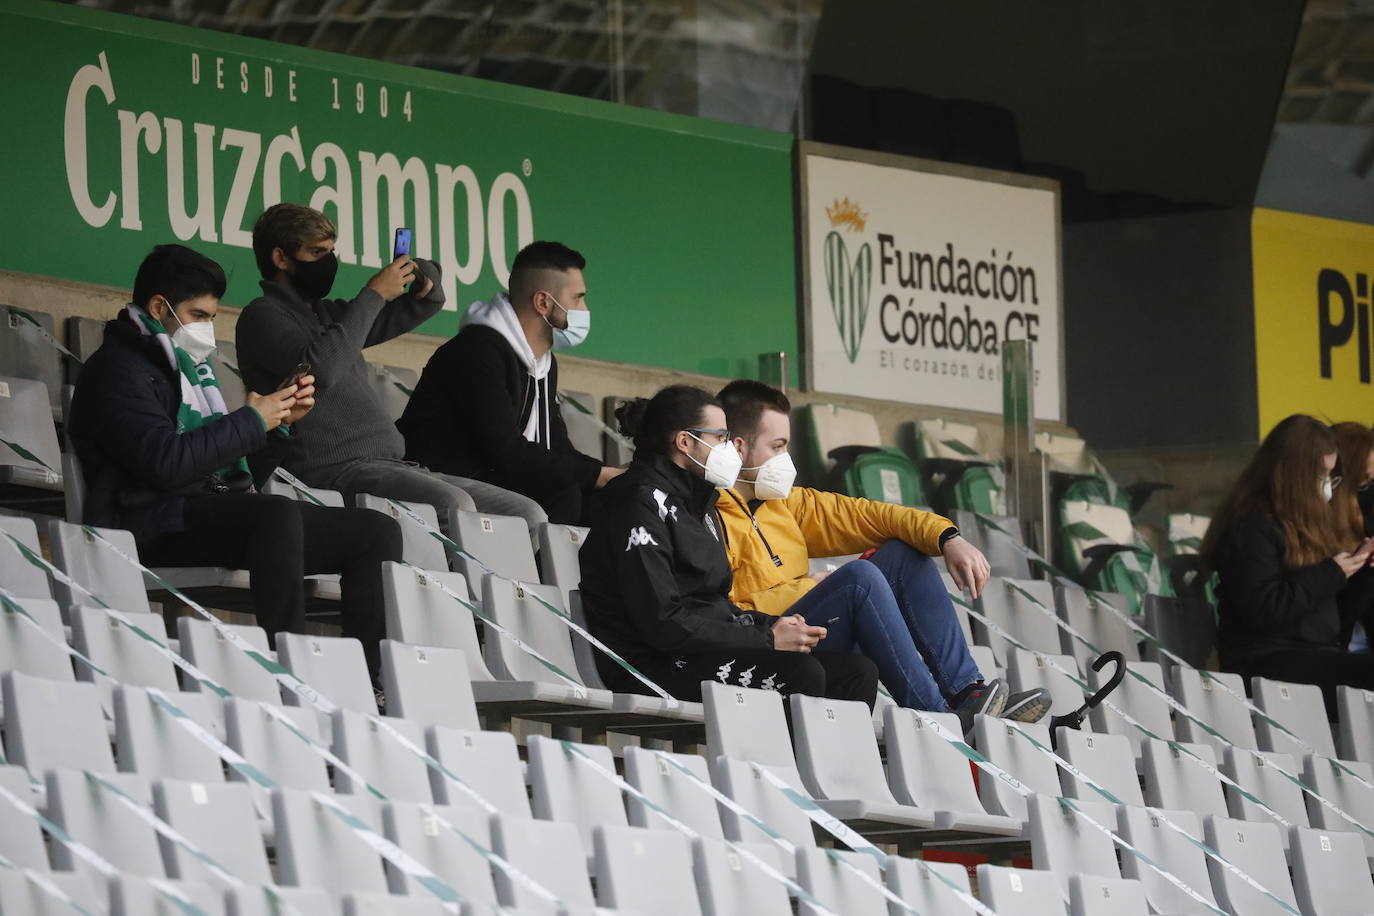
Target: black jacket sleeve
(268, 458)
(133, 427)
(474, 369)
(657, 610)
(1268, 599)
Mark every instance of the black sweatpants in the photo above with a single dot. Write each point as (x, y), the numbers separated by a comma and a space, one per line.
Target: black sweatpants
(837, 675)
(281, 541)
(1328, 668)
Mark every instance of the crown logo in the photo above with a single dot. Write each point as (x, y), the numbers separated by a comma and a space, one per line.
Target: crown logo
(847, 213)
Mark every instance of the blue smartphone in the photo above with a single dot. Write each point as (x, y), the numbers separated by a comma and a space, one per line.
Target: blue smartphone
(402, 246)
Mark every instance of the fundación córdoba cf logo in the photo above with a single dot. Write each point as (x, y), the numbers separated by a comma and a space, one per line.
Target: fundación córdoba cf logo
(849, 282)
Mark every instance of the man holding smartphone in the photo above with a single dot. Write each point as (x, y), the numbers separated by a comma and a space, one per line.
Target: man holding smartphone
(348, 442)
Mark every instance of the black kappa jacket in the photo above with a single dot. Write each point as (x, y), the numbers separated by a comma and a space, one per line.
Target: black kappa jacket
(655, 577)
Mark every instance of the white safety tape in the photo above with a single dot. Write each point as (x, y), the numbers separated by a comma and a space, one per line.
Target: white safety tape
(576, 753)
(523, 590)
(43, 332)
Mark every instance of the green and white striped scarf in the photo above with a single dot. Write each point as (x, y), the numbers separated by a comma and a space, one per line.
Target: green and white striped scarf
(202, 402)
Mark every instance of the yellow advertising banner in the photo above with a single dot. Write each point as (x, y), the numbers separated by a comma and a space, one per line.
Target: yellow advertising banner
(1312, 317)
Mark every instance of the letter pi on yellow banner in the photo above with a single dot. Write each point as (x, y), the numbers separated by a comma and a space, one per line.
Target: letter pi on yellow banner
(1313, 283)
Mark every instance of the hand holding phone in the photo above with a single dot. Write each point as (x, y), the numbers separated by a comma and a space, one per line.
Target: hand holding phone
(302, 370)
(402, 245)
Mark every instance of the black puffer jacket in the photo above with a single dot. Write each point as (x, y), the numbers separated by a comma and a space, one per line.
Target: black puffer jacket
(1265, 605)
(123, 428)
(655, 577)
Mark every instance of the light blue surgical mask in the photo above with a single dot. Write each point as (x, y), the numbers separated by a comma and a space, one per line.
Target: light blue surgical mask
(579, 326)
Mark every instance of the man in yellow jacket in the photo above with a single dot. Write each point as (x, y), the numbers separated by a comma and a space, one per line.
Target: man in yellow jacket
(891, 605)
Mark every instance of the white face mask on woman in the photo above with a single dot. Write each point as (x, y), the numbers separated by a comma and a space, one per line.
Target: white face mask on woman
(722, 464)
(775, 477)
(1328, 489)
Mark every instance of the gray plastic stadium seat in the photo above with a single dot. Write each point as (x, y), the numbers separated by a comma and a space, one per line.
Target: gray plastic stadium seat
(836, 886)
(987, 664)
(644, 871)
(26, 351)
(333, 665)
(1171, 851)
(23, 648)
(225, 362)
(1356, 732)
(136, 896)
(566, 789)
(1175, 780)
(558, 556)
(22, 579)
(1252, 770)
(1026, 671)
(1020, 892)
(225, 663)
(281, 756)
(1330, 873)
(997, 741)
(997, 546)
(1136, 700)
(1063, 842)
(583, 431)
(1094, 623)
(94, 566)
(392, 385)
(440, 849)
(151, 742)
(218, 820)
(841, 766)
(488, 762)
(316, 848)
(728, 885)
(73, 487)
(276, 487)
(1090, 895)
(738, 780)
(829, 564)
(123, 654)
(19, 895)
(252, 901)
(745, 723)
(670, 790)
(1300, 709)
(84, 337)
(500, 543)
(53, 723)
(428, 685)
(26, 419)
(94, 816)
(924, 892)
(423, 904)
(928, 772)
(549, 852)
(1017, 615)
(1256, 850)
(1224, 712)
(1106, 759)
(379, 758)
(418, 546)
(1342, 791)
(21, 839)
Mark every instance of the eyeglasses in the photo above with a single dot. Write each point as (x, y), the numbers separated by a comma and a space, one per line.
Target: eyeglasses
(724, 434)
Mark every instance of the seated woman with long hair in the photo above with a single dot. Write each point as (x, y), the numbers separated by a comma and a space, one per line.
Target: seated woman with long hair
(1285, 562)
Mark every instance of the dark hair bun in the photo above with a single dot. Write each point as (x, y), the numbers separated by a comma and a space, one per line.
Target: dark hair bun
(630, 416)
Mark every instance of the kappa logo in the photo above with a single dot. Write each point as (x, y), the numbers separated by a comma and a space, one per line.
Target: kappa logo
(639, 538)
(848, 282)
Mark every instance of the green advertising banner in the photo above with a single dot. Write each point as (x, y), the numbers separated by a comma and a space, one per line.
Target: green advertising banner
(125, 133)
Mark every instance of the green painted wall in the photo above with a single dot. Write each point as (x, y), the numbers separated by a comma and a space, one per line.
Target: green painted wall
(687, 224)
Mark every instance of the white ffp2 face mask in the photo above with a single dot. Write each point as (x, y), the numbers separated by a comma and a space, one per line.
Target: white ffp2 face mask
(1328, 490)
(722, 464)
(775, 477)
(196, 338)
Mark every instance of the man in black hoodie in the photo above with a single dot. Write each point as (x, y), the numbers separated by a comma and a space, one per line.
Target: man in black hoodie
(486, 407)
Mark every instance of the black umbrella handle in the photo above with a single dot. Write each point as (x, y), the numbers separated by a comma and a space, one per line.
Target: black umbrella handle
(1116, 678)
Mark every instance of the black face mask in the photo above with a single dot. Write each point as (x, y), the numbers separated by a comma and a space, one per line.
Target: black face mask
(314, 279)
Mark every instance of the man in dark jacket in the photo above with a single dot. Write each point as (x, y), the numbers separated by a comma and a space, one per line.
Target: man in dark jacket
(486, 407)
(162, 458)
(349, 443)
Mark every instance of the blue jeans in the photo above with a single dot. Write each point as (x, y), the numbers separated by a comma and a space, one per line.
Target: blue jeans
(894, 609)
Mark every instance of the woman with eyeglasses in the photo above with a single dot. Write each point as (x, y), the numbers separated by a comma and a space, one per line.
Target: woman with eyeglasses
(1286, 564)
(656, 579)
